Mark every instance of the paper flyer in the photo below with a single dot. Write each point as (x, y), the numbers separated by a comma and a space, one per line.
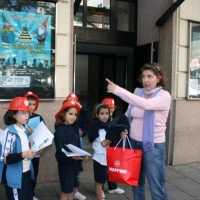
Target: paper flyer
(41, 137)
(75, 151)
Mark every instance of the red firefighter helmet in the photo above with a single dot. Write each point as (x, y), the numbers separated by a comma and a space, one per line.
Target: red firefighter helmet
(110, 102)
(68, 104)
(19, 103)
(31, 94)
(72, 96)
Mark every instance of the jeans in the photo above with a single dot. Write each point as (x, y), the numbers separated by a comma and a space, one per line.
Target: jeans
(153, 166)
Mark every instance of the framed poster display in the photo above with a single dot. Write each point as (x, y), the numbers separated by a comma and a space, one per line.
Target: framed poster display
(27, 43)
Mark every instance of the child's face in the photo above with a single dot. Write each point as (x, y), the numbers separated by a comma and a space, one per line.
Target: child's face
(112, 110)
(21, 117)
(103, 115)
(32, 104)
(70, 116)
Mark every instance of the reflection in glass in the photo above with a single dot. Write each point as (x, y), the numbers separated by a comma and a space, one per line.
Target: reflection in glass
(78, 18)
(98, 14)
(194, 82)
(124, 16)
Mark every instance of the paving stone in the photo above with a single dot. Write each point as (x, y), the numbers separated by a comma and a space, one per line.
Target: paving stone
(187, 185)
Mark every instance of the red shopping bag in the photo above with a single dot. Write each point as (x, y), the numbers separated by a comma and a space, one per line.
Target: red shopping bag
(123, 165)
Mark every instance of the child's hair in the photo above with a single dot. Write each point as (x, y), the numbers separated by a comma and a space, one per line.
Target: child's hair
(32, 98)
(60, 121)
(8, 117)
(97, 110)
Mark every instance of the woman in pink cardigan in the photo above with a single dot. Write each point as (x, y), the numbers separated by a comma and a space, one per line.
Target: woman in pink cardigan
(148, 111)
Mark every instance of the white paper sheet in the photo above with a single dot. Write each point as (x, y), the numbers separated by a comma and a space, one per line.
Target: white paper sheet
(69, 154)
(75, 151)
(42, 137)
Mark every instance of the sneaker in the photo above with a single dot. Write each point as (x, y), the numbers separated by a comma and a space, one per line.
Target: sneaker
(103, 195)
(78, 195)
(116, 191)
(34, 198)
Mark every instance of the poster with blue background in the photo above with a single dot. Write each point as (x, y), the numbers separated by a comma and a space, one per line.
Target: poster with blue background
(25, 48)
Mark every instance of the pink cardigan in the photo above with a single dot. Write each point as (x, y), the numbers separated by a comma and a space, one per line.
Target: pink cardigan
(160, 104)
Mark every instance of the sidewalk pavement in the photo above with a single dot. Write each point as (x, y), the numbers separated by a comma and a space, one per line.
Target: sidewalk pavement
(182, 182)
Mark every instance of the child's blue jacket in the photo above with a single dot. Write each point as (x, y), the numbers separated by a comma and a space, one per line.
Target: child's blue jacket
(13, 170)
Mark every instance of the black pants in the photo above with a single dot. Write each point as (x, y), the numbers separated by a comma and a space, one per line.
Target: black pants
(111, 185)
(35, 163)
(25, 193)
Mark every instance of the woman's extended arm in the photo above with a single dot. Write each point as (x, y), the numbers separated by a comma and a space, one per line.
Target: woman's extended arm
(160, 102)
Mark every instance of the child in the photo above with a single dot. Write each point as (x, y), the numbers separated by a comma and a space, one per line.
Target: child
(67, 132)
(15, 163)
(33, 101)
(97, 132)
(83, 118)
(111, 103)
(112, 186)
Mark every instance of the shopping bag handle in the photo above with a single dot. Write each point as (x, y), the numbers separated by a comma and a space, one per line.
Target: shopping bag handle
(124, 143)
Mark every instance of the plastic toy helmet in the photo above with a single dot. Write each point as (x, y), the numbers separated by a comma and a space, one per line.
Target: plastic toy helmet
(19, 103)
(31, 94)
(110, 102)
(72, 96)
(68, 104)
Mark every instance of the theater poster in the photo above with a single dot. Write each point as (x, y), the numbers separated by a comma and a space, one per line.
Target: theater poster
(26, 62)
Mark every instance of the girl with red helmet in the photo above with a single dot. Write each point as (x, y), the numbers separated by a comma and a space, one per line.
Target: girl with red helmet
(83, 119)
(67, 132)
(15, 154)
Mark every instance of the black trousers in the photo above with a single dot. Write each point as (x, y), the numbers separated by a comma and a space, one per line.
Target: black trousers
(25, 193)
(111, 185)
(35, 163)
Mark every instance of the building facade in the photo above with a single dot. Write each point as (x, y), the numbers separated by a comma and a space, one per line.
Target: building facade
(106, 39)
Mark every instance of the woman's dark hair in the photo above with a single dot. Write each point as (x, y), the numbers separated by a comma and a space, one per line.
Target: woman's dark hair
(157, 70)
(97, 109)
(61, 119)
(8, 117)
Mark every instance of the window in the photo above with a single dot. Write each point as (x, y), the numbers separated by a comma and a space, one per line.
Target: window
(98, 14)
(27, 32)
(78, 18)
(124, 16)
(194, 62)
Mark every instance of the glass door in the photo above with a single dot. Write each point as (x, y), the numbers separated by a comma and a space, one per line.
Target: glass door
(91, 72)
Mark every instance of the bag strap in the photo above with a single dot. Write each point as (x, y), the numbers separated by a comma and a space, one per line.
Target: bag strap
(118, 143)
(124, 143)
(128, 142)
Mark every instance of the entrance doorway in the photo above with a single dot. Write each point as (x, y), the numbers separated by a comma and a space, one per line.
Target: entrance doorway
(90, 74)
